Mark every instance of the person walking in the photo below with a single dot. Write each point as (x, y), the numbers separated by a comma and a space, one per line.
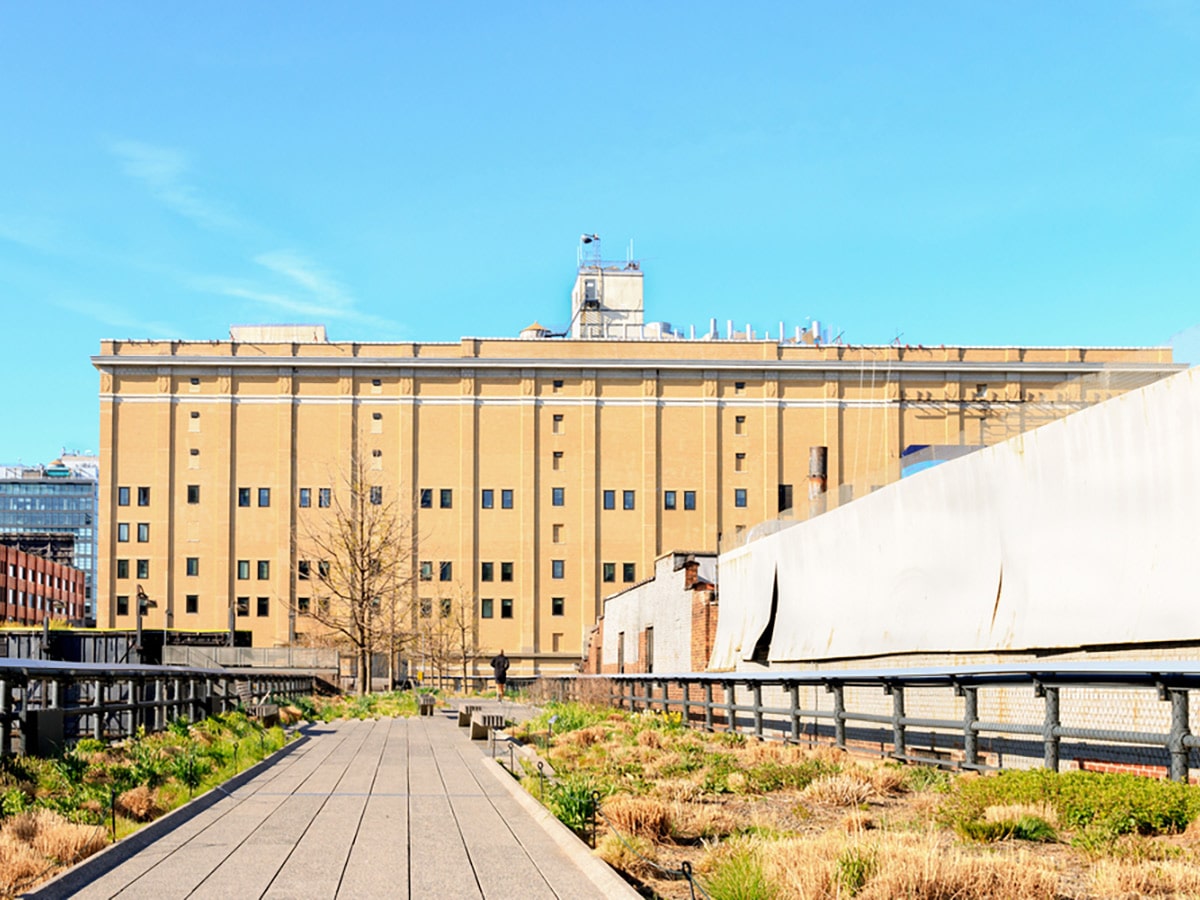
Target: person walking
(500, 671)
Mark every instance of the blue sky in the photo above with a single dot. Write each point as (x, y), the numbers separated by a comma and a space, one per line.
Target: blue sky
(979, 173)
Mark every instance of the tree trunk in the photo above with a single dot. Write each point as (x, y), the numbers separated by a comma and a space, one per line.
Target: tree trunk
(364, 670)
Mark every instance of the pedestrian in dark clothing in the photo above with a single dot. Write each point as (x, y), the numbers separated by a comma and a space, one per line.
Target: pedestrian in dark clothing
(500, 670)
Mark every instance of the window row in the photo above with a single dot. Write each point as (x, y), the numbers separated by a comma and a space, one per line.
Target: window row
(487, 607)
(243, 569)
(143, 532)
(445, 570)
(445, 498)
(142, 568)
(244, 494)
(487, 571)
(191, 605)
(487, 498)
(41, 578)
(628, 572)
(143, 496)
(324, 497)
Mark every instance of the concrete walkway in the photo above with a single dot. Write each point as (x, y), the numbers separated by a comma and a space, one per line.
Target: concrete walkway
(391, 808)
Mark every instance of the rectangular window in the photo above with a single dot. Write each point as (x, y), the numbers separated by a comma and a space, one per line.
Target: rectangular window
(143, 496)
(426, 607)
(689, 499)
(627, 500)
(610, 571)
(123, 532)
(143, 532)
(557, 496)
(243, 496)
(143, 568)
(305, 498)
(445, 606)
(506, 608)
(264, 496)
(487, 498)
(191, 604)
(323, 569)
(486, 571)
(557, 534)
(426, 570)
(506, 498)
(303, 605)
(376, 495)
(739, 387)
(739, 497)
(446, 571)
(426, 498)
(506, 571)
(557, 568)
(243, 606)
(739, 462)
(610, 499)
(193, 493)
(785, 497)
(303, 569)
(557, 604)
(264, 569)
(557, 460)
(324, 498)
(122, 568)
(243, 569)
(485, 608)
(558, 423)
(739, 424)
(193, 565)
(558, 384)
(122, 496)
(447, 498)
(122, 603)
(668, 499)
(628, 572)
(264, 606)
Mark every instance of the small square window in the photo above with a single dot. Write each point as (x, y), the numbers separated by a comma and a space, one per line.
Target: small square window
(143, 568)
(557, 534)
(506, 571)
(143, 532)
(446, 571)
(426, 607)
(739, 387)
(627, 500)
(668, 499)
(243, 496)
(193, 493)
(192, 604)
(323, 569)
(305, 498)
(558, 423)
(558, 384)
(487, 498)
(506, 498)
(195, 381)
(377, 382)
(739, 462)
(264, 496)
(739, 424)
(122, 532)
(557, 605)
(557, 460)
(243, 606)
(557, 496)
(243, 569)
(486, 571)
(376, 453)
(506, 608)
(610, 571)
(143, 496)
(122, 496)
(303, 605)
(324, 497)
(263, 606)
(610, 499)
(739, 498)
(264, 569)
(689, 499)
(445, 607)
(628, 572)
(376, 495)
(122, 605)
(485, 608)
(426, 570)
(303, 570)
(378, 417)
(193, 566)
(122, 568)
(557, 568)
(194, 452)
(426, 498)
(447, 498)
(193, 414)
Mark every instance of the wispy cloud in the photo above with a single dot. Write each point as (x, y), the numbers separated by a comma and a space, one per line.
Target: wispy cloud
(305, 273)
(164, 171)
(116, 317)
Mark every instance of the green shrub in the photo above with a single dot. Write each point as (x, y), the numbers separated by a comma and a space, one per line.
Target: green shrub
(570, 799)
(738, 875)
(1025, 828)
(567, 717)
(927, 778)
(855, 866)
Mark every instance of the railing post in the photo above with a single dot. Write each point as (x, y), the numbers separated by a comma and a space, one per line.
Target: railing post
(708, 707)
(756, 693)
(730, 706)
(898, 741)
(98, 709)
(5, 724)
(685, 700)
(1179, 732)
(1050, 738)
(839, 714)
(794, 705)
(970, 717)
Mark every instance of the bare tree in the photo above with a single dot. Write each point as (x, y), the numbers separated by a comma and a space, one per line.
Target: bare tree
(446, 630)
(359, 556)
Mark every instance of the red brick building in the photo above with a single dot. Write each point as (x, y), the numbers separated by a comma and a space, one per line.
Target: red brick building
(33, 588)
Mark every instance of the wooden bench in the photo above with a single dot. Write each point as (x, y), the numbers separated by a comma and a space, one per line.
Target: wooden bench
(465, 712)
(425, 704)
(482, 723)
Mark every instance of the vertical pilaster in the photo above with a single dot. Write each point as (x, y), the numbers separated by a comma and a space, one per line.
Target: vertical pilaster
(529, 576)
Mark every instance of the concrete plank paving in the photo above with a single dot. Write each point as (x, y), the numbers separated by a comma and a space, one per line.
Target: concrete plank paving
(390, 808)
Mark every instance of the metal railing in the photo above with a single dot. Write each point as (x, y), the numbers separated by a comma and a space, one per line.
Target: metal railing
(51, 704)
(735, 702)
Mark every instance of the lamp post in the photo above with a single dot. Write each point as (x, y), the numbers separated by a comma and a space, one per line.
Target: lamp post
(143, 603)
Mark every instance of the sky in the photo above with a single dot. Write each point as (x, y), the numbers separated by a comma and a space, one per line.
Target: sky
(1015, 173)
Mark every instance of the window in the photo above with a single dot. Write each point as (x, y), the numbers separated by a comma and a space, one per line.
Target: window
(506, 498)
(506, 608)
(557, 534)
(610, 499)
(426, 498)
(376, 495)
(739, 387)
(193, 493)
(243, 606)
(557, 568)
(143, 568)
(195, 381)
(123, 532)
(323, 498)
(193, 565)
(485, 608)
(689, 499)
(243, 496)
(426, 607)
(556, 606)
(628, 572)
(739, 424)
(739, 462)
(243, 569)
(263, 606)
(193, 414)
(486, 571)
(558, 384)
(668, 499)
(303, 569)
(323, 568)
(377, 453)
(487, 498)
(739, 498)
(303, 605)
(506, 571)
(557, 496)
(143, 496)
(557, 460)
(122, 496)
(143, 532)
(558, 423)
(446, 571)
(191, 604)
(627, 500)
(785, 497)
(377, 416)
(122, 568)
(264, 569)
(426, 570)
(264, 496)
(376, 382)
(610, 571)
(305, 498)
(122, 604)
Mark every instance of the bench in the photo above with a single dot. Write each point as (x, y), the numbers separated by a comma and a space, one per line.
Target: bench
(465, 712)
(425, 704)
(482, 723)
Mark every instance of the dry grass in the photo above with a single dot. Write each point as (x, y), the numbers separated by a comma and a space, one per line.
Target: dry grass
(1174, 878)
(629, 856)
(290, 715)
(677, 790)
(32, 843)
(139, 803)
(642, 816)
(842, 789)
(651, 738)
(19, 864)
(703, 820)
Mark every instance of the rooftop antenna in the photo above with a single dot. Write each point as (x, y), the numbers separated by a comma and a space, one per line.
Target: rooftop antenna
(589, 250)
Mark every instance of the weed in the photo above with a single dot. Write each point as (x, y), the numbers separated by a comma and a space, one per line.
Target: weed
(927, 778)
(571, 801)
(854, 866)
(737, 874)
